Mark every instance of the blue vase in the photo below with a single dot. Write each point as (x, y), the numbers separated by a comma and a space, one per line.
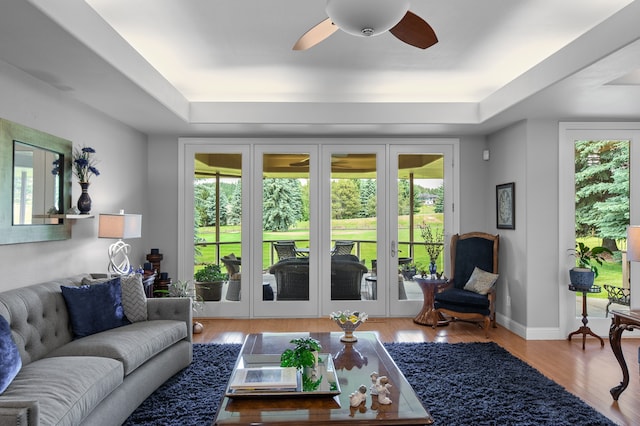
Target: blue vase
(432, 268)
(84, 202)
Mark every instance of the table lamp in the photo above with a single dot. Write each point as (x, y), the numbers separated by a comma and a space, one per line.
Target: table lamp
(633, 243)
(120, 226)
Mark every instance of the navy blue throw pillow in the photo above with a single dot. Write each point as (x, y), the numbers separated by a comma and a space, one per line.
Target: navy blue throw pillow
(94, 308)
(10, 361)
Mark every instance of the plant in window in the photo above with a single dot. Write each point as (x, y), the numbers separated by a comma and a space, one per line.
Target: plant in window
(434, 239)
(586, 256)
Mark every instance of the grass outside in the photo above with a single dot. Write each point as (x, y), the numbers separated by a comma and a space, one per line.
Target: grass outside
(361, 229)
(364, 229)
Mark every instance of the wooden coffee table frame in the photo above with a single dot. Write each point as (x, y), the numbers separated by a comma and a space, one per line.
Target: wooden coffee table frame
(352, 371)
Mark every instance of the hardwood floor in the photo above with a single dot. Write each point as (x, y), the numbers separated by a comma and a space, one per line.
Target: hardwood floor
(588, 374)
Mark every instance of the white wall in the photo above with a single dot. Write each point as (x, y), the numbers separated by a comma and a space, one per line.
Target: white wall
(122, 153)
(525, 153)
(508, 160)
(162, 191)
(475, 201)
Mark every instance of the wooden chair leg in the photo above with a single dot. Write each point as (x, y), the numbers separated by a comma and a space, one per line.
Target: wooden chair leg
(487, 322)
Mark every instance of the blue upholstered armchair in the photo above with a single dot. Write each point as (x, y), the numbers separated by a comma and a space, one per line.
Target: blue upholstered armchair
(468, 252)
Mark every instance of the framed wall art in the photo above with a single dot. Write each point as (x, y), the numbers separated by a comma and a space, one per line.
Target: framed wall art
(506, 206)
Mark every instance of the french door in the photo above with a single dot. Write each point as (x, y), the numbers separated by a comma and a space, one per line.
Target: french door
(351, 211)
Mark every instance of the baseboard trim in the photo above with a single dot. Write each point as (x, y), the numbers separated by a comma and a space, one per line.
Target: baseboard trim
(530, 333)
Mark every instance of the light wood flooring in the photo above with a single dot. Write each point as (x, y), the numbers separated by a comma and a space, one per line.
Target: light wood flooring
(588, 374)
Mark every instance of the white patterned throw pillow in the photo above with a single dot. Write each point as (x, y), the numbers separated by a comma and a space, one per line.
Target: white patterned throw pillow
(480, 281)
(134, 301)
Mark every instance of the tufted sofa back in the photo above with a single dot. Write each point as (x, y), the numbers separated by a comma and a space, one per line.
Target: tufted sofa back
(38, 318)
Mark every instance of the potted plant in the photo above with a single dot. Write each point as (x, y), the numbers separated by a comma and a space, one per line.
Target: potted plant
(304, 356)
(434, 240)
(185, 289)
(408, 271)
(585, 272)
(209, 282)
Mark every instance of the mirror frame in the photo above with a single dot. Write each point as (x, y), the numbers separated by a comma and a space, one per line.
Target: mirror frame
(14, 234)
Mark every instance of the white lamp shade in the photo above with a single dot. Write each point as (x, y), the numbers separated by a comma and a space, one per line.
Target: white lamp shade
(353, 16)
(120, 226)
(633, 243)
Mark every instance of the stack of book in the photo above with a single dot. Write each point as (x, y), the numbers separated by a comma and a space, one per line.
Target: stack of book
(265, 379)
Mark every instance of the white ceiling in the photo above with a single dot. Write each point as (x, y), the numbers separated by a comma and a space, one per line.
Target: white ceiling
(227, 67)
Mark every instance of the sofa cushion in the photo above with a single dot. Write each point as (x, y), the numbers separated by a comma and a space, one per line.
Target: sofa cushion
(10, 361)
(67, 388)
(132, 345)
(94, 308)
(134, 301)
(460, 297)
(480, 281)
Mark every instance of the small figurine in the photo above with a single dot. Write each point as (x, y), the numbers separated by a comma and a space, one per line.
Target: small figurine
(383, 390)
(374, 383)
(358, 397)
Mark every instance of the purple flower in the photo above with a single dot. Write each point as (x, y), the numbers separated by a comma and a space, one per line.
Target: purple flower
(88, 150)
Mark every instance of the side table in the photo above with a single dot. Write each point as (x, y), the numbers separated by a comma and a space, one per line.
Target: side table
(372, 286)
(584, 330)
(426, 315)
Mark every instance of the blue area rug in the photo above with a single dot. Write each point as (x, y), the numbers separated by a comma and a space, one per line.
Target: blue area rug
(459, 384)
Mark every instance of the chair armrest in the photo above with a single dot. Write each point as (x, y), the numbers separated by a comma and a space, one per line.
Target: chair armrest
(16, 412)
(172, 308)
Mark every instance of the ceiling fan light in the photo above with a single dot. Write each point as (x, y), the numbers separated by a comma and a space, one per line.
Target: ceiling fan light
(366, 17)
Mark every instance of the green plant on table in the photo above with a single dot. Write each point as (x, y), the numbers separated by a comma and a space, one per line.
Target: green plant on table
(210, 273)
(302, 355)
(586, 256)
(183, 289)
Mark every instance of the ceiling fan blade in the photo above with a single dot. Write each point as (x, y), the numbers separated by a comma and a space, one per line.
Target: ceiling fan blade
(415, 31)
(315, 35)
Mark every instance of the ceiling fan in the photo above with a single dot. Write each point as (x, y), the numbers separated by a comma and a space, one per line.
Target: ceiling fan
(367, 18)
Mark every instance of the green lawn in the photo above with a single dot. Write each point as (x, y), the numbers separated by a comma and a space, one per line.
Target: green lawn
(365, 230)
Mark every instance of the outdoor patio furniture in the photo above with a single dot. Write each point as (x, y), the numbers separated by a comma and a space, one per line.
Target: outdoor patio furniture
(346, 277)
(341, 247)
(232, 264)
(287, 249)
(292, 278)
(619, 295)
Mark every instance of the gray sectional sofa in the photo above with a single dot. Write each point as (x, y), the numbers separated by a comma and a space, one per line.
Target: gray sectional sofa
(99, 379)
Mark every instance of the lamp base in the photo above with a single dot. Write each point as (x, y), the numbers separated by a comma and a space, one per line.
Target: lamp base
(118, 259)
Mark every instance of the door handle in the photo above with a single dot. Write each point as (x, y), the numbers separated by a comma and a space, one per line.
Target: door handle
(393, 249)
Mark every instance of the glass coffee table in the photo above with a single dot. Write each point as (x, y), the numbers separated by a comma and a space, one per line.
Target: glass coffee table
(352, 366)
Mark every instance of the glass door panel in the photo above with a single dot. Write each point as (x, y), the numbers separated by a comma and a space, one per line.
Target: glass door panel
(284, 223)
(420, 220)
(602, 217)
(421, 217)
(354, 226)
(352, 250)
(213, 227)
(217, 218)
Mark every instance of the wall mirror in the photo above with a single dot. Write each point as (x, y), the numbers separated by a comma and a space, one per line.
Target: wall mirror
(35, 185)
